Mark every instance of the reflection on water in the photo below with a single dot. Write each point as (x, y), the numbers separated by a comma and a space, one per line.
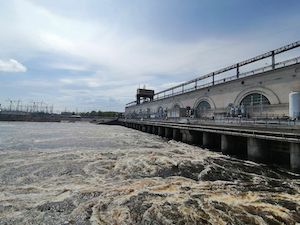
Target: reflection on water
(55, 173)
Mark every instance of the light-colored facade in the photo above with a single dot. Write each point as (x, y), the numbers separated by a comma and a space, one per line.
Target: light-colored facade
(262, 95)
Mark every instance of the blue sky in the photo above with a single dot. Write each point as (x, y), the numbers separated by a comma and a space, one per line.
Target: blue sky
(93, 54)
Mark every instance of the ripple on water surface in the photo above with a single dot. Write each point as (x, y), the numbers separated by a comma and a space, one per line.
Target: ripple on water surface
(54, 173)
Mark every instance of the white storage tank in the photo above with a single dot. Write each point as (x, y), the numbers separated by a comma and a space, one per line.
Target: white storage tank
(294, 105)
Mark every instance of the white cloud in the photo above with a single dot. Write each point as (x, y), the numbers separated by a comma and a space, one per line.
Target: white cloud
(124, 59)
(69, 66)
(12, 65)
(128, 55)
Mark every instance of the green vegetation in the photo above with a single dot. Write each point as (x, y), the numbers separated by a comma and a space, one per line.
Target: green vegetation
(100, 114)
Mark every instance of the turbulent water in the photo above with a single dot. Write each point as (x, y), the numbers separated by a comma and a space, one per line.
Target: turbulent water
(79, 173)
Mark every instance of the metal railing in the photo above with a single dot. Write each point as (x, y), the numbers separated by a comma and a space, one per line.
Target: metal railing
(229, 121)
(210, 79)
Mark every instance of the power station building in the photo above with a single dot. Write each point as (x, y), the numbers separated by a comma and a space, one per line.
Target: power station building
(271, 91)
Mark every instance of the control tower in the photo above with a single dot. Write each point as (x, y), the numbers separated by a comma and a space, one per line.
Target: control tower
(145, 94)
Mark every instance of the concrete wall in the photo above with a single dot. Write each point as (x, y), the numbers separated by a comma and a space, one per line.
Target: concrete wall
(275, 85)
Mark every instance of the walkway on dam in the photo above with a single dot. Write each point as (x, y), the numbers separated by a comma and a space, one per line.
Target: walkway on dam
(276, 144)
(271, 132)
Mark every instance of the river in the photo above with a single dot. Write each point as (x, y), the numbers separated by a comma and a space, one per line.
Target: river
(80, 173)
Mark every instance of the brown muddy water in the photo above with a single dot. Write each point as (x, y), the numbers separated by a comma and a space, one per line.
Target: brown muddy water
(79, 173)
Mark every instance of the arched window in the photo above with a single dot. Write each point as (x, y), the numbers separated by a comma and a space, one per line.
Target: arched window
(254, 100)
(202, 108)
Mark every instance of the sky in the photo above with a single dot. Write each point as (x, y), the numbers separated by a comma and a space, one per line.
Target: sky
(93, 54)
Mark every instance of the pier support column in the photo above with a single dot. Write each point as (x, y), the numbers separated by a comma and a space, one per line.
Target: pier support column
(257, 150)
(233, 145)
(197, 137)
(211, 141)
(295, 156)
(154, 130)
(161, 131)
(184, 137)
(168, 132)
(149, 129)
(191, 137)
(176, 135)
(144, 128)
(225, 146)
(207, 140)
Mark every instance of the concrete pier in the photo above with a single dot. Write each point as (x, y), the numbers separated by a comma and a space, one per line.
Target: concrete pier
(233, 145)
(161, 131)
(149, 129)
(257, 150)
(154, 130)
(207, 139)
(191, 137)
(295, 156)
(197, 137)
(176, 135)
(211, 140)
(187, 137)
(144, 128)
(226, 144)
(168, 132)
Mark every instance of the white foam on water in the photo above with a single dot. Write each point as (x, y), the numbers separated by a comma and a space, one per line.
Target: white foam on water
(88, 174)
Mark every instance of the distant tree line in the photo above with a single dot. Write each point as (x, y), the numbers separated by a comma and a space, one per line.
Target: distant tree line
(100, 114)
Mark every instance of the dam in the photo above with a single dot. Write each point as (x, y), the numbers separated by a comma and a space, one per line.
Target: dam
(250, 109)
